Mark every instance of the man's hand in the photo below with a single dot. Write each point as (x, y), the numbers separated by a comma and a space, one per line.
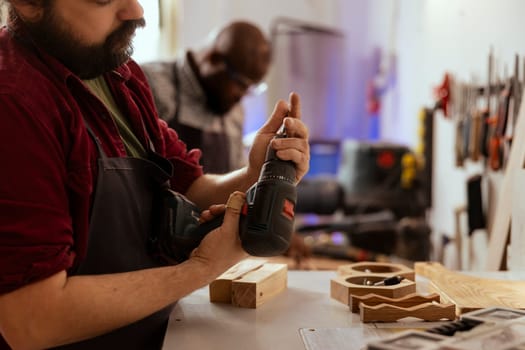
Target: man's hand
(212, 212)
(221, 248)
(209, 189)
(295, 147)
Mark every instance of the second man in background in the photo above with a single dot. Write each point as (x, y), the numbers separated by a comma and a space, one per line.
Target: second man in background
(199, 94)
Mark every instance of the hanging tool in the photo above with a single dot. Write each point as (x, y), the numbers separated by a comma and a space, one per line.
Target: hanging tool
(500, 127)
(514, 101)
(442, 95)
(485, 116)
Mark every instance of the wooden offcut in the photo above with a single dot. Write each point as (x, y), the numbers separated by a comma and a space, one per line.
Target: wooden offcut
(406, 301)
(391, 313)
(359, 279)
(376, 269)
(343, 287)
(471, 293)
(249, 283)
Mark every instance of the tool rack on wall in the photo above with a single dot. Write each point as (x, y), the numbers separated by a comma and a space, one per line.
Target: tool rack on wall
(488, 134)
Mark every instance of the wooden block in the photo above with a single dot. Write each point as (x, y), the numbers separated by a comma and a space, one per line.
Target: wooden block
(406, 301)
(342, 287)
(390, 313)
(258, 286)
(221, 288)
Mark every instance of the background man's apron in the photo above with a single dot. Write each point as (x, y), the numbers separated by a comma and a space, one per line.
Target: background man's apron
(120, 224)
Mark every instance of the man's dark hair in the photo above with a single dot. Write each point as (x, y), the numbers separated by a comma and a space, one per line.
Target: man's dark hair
(33, 2)
(6, 7)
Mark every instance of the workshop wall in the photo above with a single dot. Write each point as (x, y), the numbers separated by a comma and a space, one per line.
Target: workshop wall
(454, 36)
(402, 47)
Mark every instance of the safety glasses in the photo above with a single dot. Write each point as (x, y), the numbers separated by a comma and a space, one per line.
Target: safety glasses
(250, 86)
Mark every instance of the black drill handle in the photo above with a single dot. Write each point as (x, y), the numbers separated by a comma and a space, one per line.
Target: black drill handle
(184, 244)
(265, 224)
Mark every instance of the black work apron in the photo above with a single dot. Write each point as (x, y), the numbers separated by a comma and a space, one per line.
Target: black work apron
(121, 223)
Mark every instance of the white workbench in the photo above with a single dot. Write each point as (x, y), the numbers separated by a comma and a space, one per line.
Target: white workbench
(304, 316)
(305, 307)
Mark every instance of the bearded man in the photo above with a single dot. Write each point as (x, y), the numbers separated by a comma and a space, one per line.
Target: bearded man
(83, 157)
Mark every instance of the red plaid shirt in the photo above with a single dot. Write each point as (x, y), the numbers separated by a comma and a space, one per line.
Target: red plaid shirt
(48, 161)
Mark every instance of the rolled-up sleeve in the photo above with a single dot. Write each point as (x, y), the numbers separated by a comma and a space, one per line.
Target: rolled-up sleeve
(36, 237)
(185, 162)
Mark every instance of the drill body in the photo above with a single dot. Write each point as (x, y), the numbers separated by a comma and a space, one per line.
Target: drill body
(270, 208)
(267, 219)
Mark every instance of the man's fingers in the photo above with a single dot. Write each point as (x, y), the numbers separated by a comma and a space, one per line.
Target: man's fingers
(213, 211)
(283, 109)
(295, 106)
(296, 128)
(217, 209)
(272, 124)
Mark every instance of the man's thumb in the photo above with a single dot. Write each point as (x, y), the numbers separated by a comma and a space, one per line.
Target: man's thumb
(233, 209)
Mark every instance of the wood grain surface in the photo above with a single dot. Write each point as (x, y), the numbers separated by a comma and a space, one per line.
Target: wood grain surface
(259, 286)
(471, 293)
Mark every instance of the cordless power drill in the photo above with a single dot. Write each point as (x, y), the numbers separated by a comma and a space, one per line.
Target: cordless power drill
(267, 218)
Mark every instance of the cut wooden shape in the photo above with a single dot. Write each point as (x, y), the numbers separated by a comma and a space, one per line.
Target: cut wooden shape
(406, 301)
(221, 288)
(342, 287)
(258, 286)
(390, 313)
(376, 268)
(471, 293)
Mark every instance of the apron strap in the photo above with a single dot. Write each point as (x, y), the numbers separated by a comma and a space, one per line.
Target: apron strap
(95, 139)
(160, 177)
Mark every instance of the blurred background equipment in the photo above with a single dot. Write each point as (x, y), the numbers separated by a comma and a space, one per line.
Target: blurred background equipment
(373, 208)
(378, 176)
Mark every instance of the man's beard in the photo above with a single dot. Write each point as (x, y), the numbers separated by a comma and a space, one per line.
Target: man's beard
(217, 105)
(86, 61)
